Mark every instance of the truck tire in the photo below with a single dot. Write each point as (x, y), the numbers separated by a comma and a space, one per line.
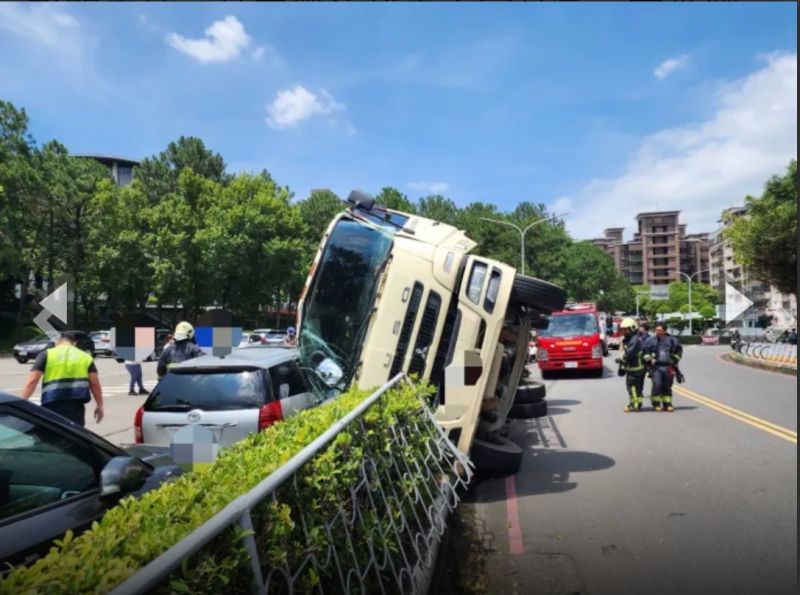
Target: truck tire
(530, 392)
(530, 291)
(497, 458)
(528, 410)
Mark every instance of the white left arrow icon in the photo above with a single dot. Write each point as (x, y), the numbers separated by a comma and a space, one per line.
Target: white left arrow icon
(54, 304)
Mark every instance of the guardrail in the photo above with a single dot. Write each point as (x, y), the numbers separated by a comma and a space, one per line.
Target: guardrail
(771, 353)
(396, 555)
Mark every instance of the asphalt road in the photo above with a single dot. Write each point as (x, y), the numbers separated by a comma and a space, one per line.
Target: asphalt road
(117, 426)
(699, 501)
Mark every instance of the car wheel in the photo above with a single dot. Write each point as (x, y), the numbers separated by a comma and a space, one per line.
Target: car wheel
(530, 392)
(498, 457)
(528, 410)
(530, 291)
(23, 360)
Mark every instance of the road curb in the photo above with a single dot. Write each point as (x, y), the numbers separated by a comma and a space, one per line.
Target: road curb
(737, 358)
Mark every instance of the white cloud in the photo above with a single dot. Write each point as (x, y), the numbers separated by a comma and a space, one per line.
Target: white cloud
(224, 41)
(292, 106)
(703, 168)
(670, 65)
(258, 53)
(561, 205)
(430, 187)
(44, 24)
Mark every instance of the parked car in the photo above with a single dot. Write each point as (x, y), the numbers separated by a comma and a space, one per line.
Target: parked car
(244, 392)
(102, 342)
(28, 350)
(269, 336)
(245, 340)
(56, 476)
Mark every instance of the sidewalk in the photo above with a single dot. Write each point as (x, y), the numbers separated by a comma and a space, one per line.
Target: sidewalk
(740, 359)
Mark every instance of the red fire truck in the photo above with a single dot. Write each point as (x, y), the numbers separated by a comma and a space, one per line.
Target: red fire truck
(572, 341)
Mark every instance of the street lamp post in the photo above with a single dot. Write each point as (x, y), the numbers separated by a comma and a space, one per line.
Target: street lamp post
(689, 278)
(522, 233)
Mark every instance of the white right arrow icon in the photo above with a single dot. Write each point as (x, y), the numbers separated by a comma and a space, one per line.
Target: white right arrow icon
(735, 302)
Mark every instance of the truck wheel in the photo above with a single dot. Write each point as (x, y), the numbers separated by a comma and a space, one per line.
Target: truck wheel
(530, 392)
(497, 458)
(528, 410)
(530, 291)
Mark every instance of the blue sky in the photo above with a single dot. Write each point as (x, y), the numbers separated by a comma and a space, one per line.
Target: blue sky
(601, 110)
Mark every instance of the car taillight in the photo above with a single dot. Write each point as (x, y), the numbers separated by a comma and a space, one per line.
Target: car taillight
(542, 355)
(104, 340)
(269, 414)
(597, 351)
(138, 435)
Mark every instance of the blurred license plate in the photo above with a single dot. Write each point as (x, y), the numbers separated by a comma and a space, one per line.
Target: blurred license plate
(570, 364)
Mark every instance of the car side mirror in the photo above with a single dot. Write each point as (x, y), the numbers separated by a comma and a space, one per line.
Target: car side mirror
(122, 475)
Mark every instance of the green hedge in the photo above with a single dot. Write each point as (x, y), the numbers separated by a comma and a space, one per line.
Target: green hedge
(138, 530)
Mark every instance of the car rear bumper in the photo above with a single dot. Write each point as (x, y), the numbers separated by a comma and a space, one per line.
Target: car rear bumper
(579, 364)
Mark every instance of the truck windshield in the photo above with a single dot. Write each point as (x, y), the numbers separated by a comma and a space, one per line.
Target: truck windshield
(341, 295)
(570, 325)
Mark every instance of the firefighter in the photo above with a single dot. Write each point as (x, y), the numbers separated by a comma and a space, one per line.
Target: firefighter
(662, 353)
(181, 348)
(631, 364)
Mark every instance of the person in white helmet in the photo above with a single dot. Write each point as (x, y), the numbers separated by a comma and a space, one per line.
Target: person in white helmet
(631, 364)
(181, 348)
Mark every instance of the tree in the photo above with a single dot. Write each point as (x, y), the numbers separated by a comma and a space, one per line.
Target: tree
(765, 240)
(589, 275)
(317, 211)
(394, 199)
(159, 175)
(439, 208)
(254, 246)
(180, 273)
(20, 202)
(679, 324)
(120, 266)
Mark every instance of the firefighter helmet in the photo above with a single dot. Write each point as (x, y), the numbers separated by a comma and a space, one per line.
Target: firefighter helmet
(183, 331)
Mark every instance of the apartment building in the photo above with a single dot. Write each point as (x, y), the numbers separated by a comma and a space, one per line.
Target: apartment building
(659, 252)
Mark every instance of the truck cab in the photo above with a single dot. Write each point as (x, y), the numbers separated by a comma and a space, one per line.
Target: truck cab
(572, 341)
(392, 292)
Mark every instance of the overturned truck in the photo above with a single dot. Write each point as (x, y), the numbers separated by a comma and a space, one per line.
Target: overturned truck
(392, 292)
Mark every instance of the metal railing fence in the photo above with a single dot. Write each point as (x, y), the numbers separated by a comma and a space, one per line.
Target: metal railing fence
(776, 353)
(379, 534)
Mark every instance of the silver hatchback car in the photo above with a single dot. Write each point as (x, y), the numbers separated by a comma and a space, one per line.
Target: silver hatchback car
(244, 392)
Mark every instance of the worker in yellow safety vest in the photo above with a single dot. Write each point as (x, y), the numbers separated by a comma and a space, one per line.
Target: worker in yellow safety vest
(69, 380)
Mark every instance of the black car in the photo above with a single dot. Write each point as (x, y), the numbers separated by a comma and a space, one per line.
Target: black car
(56, 476)
(28, 350)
